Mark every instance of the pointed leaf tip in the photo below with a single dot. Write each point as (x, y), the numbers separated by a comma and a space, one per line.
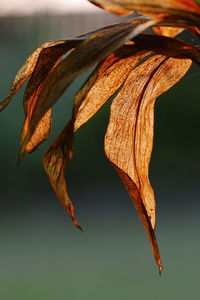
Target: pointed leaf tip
(71, 212)
(160, 270)
(54, 162)
(21, 153)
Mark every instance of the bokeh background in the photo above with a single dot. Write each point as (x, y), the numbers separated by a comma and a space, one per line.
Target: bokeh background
(42, 255)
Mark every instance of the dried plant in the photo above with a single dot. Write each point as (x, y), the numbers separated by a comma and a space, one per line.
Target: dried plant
(138, 65)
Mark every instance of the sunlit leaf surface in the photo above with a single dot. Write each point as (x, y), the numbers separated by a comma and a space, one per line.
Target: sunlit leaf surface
(129, 63)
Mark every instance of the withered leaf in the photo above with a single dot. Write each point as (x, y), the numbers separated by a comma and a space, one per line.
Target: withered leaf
(54, 162)
(26, 71)
(138, 66)
(28, 67)
(61, 151)
(107, 82)
(37, 67)
(167, 46)
(148, 6)
(46, 62)
(87, 53)
(129, 137)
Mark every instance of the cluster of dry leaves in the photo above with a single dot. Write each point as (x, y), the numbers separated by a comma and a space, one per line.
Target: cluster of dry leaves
(139, 66)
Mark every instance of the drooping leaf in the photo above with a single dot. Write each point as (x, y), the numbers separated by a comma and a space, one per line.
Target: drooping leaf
(46, 62)
(38, 66)
(61, 151)
(129, 137)
(41, 132)
(106, 83)
(122, 55)
(54, 162)
(26, 71)
(87, 53)
(28, 67)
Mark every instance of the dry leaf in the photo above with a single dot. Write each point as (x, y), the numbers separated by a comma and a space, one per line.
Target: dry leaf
(148, 6)
(106, 83)
(129, 137)
(54, 162)
(167, 46)
(87, 53)
(26, 71)
(137, 66)
(46, 62)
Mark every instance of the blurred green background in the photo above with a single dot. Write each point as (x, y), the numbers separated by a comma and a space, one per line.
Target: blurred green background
(42, 255)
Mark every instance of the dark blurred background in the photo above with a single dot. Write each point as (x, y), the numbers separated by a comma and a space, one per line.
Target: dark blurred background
(42, 255)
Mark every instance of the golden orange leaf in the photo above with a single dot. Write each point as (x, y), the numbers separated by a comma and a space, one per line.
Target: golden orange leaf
(86, 54)
(147, 6)
(129, 137)
(105, 85)
(25, 72)
(61, 151)
(46, 62)
(137, 66)
(54, 162)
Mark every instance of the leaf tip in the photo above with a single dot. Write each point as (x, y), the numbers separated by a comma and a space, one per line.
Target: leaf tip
(160, 270)
(78, 226)
(20, 156)
(71, 212)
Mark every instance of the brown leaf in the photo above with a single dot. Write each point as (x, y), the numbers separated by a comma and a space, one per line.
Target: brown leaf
(123, 57)
(141, 210)
(167, 46)
(147, 6)
(28, 67)
(41, 132)
(61, 151)
(38, 66)
(129, 137)
(108, 80)
(46, 62)
(88, 53)
(54, 162)
(25, 72)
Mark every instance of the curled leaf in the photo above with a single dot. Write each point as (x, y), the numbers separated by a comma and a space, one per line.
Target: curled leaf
(129, 137)
(61, 151)
(106, 83)
(38, 66)
(141, 210)
(46, 62)
(138, 66)
(54, 162)
(87, 53)
(25, 72)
